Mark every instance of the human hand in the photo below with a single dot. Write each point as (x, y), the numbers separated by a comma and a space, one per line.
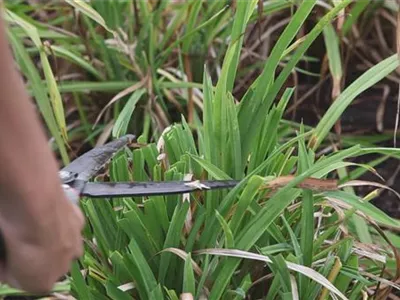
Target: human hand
(40, 248)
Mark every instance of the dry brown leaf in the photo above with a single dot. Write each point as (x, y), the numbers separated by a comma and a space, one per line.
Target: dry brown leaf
(369, 183)
(105, 134)
(308, 183)
(182, 254)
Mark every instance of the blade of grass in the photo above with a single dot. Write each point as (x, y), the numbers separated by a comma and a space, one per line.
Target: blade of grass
(234, 142)
(229, 240)
(189, 284)
(40, 95)
(249, 119)
(359, 223)
(141, 271)
(367, 208)
(353, 15)
(255, 228)
(115, 293)
(88, 11)
(209, 149)
(248, 195)
(226, 79)
(365, 81)
(194, 10)
(53, 92)
(209, 232)
(164, 54)
(333, 51)
(307, 237)
(311, 36)
(307, 215)
(295, 267)
(172, 240)
(79, 283)
(72, 57)
(281, 270)
(122, 122)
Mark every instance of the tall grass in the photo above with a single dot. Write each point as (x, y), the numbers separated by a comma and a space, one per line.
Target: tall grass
(289, 242)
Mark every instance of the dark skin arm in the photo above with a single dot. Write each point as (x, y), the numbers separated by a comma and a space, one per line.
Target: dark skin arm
(41, 228)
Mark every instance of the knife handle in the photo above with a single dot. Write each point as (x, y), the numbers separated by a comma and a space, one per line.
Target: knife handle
(72, 196)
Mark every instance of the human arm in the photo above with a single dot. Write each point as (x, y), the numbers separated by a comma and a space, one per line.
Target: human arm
(40, 227)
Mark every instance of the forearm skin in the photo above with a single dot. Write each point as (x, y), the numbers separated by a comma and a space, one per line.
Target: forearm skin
(28, 176)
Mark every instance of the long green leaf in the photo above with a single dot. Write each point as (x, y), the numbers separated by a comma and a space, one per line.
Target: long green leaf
(72, 57)
(53, 92)
(333, 51)
(189, 284)
(88, 11)
(367, 208)
(143, 275)
(256, 227)
(122, 122)
(365, 81)
(237, 255)
(40, 95)
(249, 115)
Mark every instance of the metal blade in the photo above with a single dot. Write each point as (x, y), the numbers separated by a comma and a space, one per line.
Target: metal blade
(138, 189)
(87, 165)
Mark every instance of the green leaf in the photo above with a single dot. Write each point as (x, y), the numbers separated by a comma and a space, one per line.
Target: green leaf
(365, 207)
(120, 270)
(78, 282)
(210, 168)
(365, 81)
(307, 215)
(234, 254)
(209, 149)
(194, 9)
(143, 275)
(333, 51)
(248, 195)
(172, 240)
(281, 270)
(115, 293)
(189, 284)
(250, 114)
(229, 240)
(103, 221)
(72, 57)
(275, 205)
(54, 94)
(88, 11)
(227, 202)
(244, 286)
(234, 142)
(226, 79)
(54, 124)
(353, 15)
(164, 54)
(122, 122)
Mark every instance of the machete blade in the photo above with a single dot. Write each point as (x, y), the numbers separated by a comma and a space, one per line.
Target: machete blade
(138, 189)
